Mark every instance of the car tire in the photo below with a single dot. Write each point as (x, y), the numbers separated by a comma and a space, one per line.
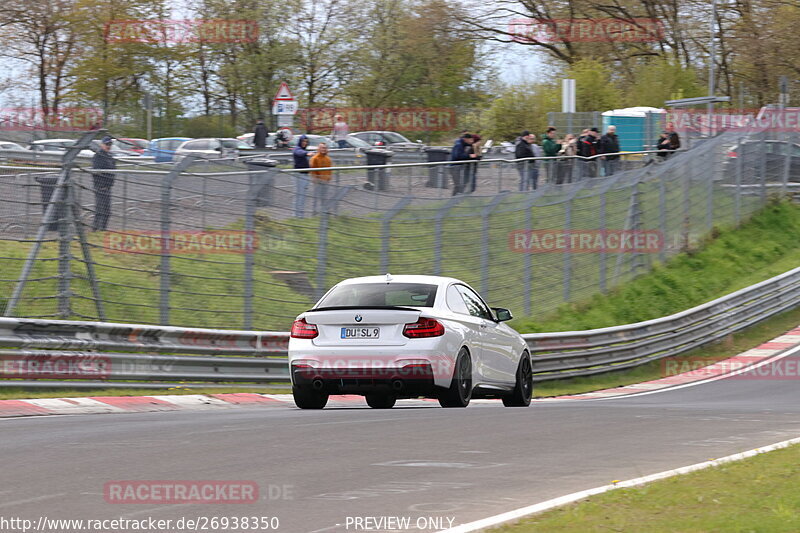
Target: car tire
(459, 392)
(308, 398)
(523, 389)
(381, 401)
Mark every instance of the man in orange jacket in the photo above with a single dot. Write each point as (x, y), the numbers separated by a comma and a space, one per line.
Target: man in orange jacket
(321, 178)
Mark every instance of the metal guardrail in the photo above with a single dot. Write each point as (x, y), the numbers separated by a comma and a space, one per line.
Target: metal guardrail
(125, 355)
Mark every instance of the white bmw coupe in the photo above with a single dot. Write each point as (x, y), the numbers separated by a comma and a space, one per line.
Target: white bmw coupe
(389, 337)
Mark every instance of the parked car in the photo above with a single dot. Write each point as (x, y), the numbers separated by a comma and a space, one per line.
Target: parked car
(753, 152)
(163, 150)
(212, 148)
(117, 149)
(389, 139)
(133, 144)
(8, 145)
(313, 140)
(354, 142)
(389, 337)
(56, 147)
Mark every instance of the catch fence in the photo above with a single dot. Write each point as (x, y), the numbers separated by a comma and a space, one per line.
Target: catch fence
(224, 244)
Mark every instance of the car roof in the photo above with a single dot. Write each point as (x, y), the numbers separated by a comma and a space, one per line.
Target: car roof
(42, 141)
(403, 278)
(174, 139)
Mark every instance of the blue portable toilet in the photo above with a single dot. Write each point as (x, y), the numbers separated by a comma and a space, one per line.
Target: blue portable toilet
(638, 128)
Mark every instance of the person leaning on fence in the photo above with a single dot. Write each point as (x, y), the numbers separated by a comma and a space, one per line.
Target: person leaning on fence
(103, 182)
(321, 178)
(609, 144)
(472, 171)
(300, 157)
(460, 173)
(668, 142)
(340, 132)
(550, 148)
(528, 172)
(566, 165)
(588, 147)
(260, 134)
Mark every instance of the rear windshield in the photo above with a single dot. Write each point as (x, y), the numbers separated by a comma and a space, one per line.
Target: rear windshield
(380, 295)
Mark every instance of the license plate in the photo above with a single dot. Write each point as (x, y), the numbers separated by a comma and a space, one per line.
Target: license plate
(361, 333)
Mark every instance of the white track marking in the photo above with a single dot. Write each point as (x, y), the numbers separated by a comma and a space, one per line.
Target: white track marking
(516, 514)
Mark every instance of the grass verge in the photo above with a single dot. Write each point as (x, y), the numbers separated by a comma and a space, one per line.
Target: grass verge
(755, 494)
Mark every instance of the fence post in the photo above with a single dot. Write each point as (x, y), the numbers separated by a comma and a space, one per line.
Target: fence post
(603, 231)
(64, 250)
(568, 252)
(787, 164)
(485, 212)
(249, 254)
(328, 207)
(437, 232)
(687, 208)
(763, 168)
(528, 259)
(662, 216)
(386, 222)
(737, 206)
(710, 192)
(165, 284)
(49, 213)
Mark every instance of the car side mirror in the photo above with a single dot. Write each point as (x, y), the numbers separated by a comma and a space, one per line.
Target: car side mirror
(502, 314)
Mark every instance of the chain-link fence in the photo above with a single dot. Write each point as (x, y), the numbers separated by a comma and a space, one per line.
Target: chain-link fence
(221, 244)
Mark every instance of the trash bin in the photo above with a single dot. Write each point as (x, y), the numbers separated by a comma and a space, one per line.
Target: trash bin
(264, 192)
(48, 184)
(436, 174)
(376, 177)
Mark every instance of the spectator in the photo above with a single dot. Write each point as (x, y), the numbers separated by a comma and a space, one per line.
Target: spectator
(472, 169)
(528, 171)
(609, 144)
(461, 173)
(566, 166)
(550, 148)
(340, 131)
(283, 138)
(260, 134)
(321, 178)
(669, 141)
(588, 148)
(300, 156)
(103, 182)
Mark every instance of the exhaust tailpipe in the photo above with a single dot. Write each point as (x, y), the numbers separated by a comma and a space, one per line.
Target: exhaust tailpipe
(397, 384)
(318, 384)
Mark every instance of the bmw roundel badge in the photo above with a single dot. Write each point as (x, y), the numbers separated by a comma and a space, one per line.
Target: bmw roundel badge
(358, 318)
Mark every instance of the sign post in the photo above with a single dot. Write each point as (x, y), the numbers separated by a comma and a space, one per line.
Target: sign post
(284, 106)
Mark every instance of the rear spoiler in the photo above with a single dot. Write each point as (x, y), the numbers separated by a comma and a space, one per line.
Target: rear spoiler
(354, 307)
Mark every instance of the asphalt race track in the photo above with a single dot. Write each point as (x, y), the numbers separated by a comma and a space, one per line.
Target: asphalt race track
(317, 468)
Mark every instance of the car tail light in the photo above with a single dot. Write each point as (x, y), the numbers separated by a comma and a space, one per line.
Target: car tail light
(424, 327)
(303, 330)
(732, 154)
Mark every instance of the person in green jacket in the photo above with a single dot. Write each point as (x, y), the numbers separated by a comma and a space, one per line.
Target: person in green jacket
(550, 147)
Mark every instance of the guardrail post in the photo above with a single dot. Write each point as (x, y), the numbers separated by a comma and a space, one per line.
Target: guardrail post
(386, 227)
(485, 212)
(166, 226)
(328, 206)
(437, 232)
